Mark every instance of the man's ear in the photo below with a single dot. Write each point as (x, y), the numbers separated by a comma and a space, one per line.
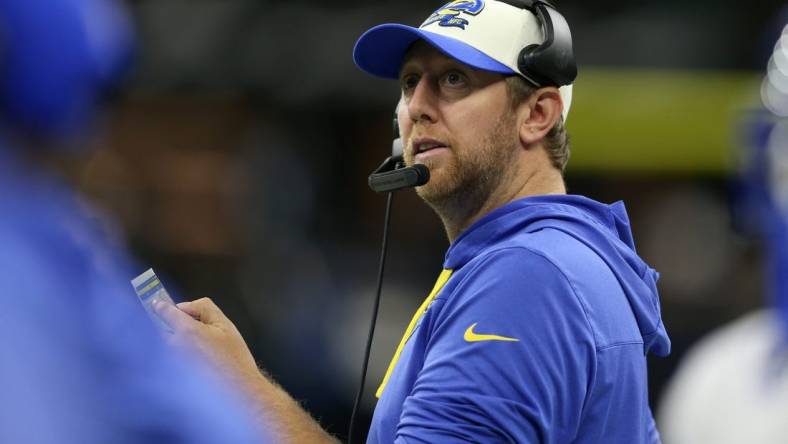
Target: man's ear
(539, 114)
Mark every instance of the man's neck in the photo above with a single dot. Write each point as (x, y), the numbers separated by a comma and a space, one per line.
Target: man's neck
(457, 218)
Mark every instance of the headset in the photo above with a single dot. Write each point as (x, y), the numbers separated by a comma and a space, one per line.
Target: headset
(551, 63)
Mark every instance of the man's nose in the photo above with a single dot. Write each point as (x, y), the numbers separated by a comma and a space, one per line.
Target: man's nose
(422, 103)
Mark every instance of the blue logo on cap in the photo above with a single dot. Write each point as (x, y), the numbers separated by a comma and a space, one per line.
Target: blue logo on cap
(448, 14)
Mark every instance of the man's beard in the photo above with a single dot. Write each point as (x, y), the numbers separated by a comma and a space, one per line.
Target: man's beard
(472, 175)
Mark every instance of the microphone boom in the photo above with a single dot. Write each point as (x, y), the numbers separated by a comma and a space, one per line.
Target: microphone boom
(382, 181)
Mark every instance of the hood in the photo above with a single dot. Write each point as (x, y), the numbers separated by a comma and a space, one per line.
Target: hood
(603, 228)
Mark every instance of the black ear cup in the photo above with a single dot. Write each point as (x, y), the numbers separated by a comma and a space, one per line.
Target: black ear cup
(395, 123)
(551, 63)
(396, 145)
(526, 65)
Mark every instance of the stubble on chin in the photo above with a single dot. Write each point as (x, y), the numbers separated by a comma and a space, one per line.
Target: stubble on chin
(463, 182)
(443, 178)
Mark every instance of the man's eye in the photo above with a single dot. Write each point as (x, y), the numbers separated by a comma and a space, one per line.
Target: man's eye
(454, 79)
(409, 82)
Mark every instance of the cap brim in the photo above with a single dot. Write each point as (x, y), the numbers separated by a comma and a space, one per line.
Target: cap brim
(380, 50)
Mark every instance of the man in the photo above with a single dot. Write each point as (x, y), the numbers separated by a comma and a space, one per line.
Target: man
(732, 386)
(538, 327)
(80, 360)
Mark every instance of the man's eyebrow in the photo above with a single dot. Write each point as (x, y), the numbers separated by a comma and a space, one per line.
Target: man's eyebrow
(407, 68)
(440, 64)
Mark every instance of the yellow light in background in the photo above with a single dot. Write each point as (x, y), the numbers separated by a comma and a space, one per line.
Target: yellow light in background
(658, 121)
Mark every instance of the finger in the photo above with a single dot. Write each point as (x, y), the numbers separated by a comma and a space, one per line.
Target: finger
(205, 310)
(189, 309)
(173, 317)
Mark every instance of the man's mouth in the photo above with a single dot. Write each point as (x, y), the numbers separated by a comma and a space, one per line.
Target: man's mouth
(424, 147)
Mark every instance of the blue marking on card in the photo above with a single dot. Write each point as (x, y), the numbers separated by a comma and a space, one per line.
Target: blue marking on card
(148, 288)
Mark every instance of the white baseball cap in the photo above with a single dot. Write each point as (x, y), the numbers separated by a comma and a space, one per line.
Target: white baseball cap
(484, 34)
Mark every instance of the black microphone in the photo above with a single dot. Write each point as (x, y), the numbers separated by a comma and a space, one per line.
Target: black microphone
(393, 175)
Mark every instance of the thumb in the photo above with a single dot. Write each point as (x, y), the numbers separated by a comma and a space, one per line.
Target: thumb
(205, 310)
(172, 316)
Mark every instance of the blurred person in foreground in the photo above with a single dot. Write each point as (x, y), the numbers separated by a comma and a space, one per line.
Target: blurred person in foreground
(732, 387)
(539, 325)
(80, 360)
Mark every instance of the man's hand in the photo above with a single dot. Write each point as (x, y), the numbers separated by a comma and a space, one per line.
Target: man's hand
(200, 326)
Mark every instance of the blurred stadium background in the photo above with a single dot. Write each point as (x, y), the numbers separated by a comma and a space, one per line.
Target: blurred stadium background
(236, 157)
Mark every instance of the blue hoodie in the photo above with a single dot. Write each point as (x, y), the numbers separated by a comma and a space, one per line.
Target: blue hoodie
(536, 332)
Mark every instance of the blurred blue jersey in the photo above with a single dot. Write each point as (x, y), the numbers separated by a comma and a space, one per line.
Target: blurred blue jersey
(537, 333)
(80, 361)
(760, 201)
